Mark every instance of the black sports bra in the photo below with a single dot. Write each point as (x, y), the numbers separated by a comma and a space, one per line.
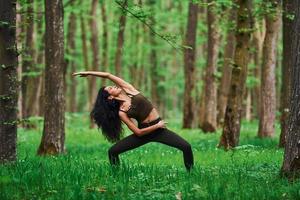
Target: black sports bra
(140, 107)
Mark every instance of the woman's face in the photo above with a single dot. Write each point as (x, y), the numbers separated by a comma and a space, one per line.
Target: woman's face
(114, 91)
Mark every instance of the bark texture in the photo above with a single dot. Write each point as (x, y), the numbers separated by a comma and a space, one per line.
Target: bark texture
(104, 61)
(210, 98)
(54, 121)
(156, 93)
(120, 44)
(268, 90)
(189, 65)
(29, 79)
(41, 62)
(226, 71)
(71, 53)
(257, 40)
(95, 52)
(85, 56)
(233, 113)
(291, 163)
(286, 72)
(8, 81)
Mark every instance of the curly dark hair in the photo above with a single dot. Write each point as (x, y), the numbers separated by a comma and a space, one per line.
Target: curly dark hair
(106, 115)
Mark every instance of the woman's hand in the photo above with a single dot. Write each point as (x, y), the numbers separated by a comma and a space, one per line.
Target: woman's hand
(81, 74)
(161, 124)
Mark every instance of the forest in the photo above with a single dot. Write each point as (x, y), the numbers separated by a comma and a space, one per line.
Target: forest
(224, 75)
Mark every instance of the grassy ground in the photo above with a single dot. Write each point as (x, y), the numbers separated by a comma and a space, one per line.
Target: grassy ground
(153, 171)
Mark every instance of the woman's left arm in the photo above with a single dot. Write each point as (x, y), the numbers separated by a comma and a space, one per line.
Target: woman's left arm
(117, 80)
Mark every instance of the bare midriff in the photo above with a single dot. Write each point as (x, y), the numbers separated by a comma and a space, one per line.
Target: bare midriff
(153, 115)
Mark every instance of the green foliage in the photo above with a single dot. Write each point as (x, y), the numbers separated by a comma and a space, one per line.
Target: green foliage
(153, 171)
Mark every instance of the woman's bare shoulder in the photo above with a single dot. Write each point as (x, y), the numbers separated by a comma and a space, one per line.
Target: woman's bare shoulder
(131, 90)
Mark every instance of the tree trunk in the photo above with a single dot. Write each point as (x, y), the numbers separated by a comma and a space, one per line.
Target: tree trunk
(28, 85)
(155, 76)
(104, 62)
(258, 38)
(268, 90)
(95, 49)
(19, 42)
(54, 121)
(8, 81)
(227, 68)
(286, 71)
(233, 113)
(189, 65)
(119, 52)
(85, 57)
(210, 97)
(33, 81)
(41, 62)
(71, 53)
(291, 163)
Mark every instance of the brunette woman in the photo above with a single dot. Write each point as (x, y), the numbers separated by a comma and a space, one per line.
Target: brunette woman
(121, 103)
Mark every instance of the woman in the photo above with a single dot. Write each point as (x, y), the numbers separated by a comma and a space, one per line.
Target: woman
(117, 104)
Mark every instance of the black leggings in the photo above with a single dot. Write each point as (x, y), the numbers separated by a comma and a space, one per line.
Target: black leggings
(161, 135)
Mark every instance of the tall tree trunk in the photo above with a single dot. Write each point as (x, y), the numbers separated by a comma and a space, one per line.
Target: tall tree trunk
(41, 62)
(233, 113)
(33, 81)
(95, 49)
(210, 97)
(227, 68)
(54, 121)
(258, 39)
(189, 65)
(85, 56)
(71, 52)
(8, 81)
(120, 44)
(141, 79)
(155, 77)
(28, 60)
(104, 60)
(268, 90)
(19, 42)
(291, 163)
(286, 71)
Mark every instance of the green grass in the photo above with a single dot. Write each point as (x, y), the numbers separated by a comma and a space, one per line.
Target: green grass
(153, 171)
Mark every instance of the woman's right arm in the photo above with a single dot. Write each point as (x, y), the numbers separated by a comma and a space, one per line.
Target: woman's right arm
(140, 131)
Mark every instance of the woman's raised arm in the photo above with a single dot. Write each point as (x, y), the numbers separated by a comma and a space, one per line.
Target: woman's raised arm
(117, 80)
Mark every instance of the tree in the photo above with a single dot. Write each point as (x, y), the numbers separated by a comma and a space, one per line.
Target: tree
(54, 121)
(233, 113)
(156, 94)
(104, 61)
(84, 49)
(291, 162)
(268, 91)
(257, 42)
(189, 65)
(29, 84)
(286, 71)
(95, 51)
(70, 63)
(8, 81)
(226, 70)
(210, 98)
(120, 43)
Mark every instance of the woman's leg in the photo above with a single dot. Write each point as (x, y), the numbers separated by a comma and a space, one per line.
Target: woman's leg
(172, 139)
(130, 142)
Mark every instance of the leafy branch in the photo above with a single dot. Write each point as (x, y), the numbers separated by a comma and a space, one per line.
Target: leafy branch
(142, 19)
